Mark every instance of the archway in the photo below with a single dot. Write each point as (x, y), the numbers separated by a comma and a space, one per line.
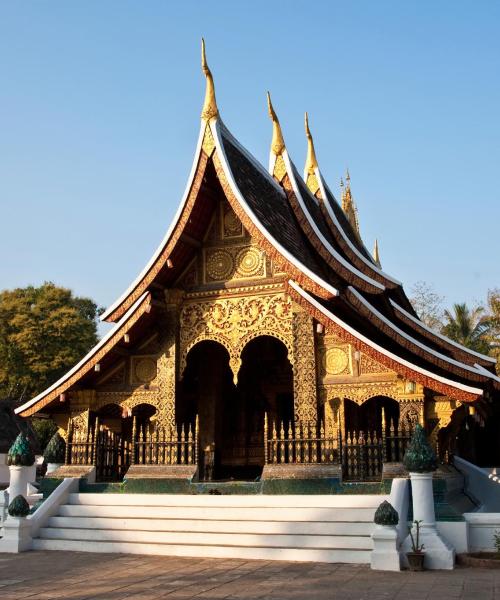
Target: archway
(231, 417)
(371, 437)
(369, 416)
(265, 384)
(207, 386)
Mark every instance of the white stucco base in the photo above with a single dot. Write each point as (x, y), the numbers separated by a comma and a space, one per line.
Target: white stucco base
(16, 535)
(385, 554)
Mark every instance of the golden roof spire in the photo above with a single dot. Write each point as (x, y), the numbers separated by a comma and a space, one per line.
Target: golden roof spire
(277, 143)
(376, 255)
(210, 109)
(311, 161)
(348, 204)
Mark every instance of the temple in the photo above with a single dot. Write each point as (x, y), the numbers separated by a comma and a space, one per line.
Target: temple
(263, 340)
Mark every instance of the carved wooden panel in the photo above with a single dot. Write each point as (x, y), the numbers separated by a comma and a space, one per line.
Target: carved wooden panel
(233, 322)
(304, 368)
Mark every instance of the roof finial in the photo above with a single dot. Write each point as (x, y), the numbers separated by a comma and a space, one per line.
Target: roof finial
(348, 204)
(277, 143)
(376, 255)
(210, 109)
(311, 161)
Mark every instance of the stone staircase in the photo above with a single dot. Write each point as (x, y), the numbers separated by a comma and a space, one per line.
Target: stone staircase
(333, 528)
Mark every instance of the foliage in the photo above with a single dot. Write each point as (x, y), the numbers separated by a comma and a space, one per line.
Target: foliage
(416, 547)
(55, 450)
(496, 541)
(468, 326)
(20, 452)
(386, 514)
(419, 456)
(44, 430)
(43, 332)
(493, 337)
(19, 507)
(427, 304)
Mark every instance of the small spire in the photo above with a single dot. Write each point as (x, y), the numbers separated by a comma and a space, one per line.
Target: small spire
(210, 109)
(277, 143)
(311, 161)
(348, 204)
(376, 255)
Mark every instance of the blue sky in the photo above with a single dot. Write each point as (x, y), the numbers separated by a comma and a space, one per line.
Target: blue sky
(99, 115)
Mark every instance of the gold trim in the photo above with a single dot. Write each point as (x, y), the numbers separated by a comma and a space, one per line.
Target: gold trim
(210, 110)
(277, 143)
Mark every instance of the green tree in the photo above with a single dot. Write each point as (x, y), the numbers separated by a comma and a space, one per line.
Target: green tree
(470, 327)
(44, 331)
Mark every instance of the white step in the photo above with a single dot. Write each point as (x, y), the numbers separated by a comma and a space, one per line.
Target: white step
(210, 538)
(259, 513)
(222, 526)
(289, 527)
(262, 553)
(248, 500)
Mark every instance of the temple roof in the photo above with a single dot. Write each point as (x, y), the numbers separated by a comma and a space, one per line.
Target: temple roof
(300, 225)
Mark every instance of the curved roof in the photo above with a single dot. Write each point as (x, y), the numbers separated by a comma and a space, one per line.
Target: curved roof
(88, 362)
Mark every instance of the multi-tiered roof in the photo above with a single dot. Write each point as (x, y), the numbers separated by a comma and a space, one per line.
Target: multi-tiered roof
(315, 241)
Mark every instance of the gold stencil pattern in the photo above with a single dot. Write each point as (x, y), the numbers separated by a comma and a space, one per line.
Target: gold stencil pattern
(234, 262)
(233, 322)
(145, 369)
(336, 361)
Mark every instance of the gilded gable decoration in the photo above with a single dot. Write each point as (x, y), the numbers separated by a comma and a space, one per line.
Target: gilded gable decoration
(233, 322)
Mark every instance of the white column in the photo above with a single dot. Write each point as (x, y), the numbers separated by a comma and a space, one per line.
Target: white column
(438, 554)
(423, 499)
(19, 479)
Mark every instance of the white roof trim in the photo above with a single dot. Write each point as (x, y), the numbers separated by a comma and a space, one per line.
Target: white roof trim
(383, 351)
(270, 179)
(486, 372)
(318, 233)
(223, 158)
(166, 238)
(323, 187)
(86, 358)
(439, 335)
(411, 339)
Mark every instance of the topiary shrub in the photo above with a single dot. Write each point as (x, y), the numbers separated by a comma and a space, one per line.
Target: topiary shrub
(419, 456)
(21, 453)
(55, 450)
(19, 507)
(386, 514)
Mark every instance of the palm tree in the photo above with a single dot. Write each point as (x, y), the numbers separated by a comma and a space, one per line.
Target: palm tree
(469, 327)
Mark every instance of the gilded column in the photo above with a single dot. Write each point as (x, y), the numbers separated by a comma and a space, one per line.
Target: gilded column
(168, 361)
(304, 368)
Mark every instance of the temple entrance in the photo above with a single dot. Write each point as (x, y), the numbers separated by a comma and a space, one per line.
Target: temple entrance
(231, 417)
(372, 436)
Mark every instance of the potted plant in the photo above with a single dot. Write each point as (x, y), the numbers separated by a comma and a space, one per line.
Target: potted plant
(417, 554)
(54, 452)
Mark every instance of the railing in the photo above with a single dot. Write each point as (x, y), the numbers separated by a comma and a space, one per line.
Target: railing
(80, 449)
(299, 443)
(365, 453)
(176, 445)
(105, 449)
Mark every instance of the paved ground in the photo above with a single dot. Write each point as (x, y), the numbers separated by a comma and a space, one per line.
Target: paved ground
(78, 575)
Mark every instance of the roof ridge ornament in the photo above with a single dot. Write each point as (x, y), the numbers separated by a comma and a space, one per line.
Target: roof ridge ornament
(311, 161)
(210, 110)
(277, 143)
(348, 204)
(376, 255)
